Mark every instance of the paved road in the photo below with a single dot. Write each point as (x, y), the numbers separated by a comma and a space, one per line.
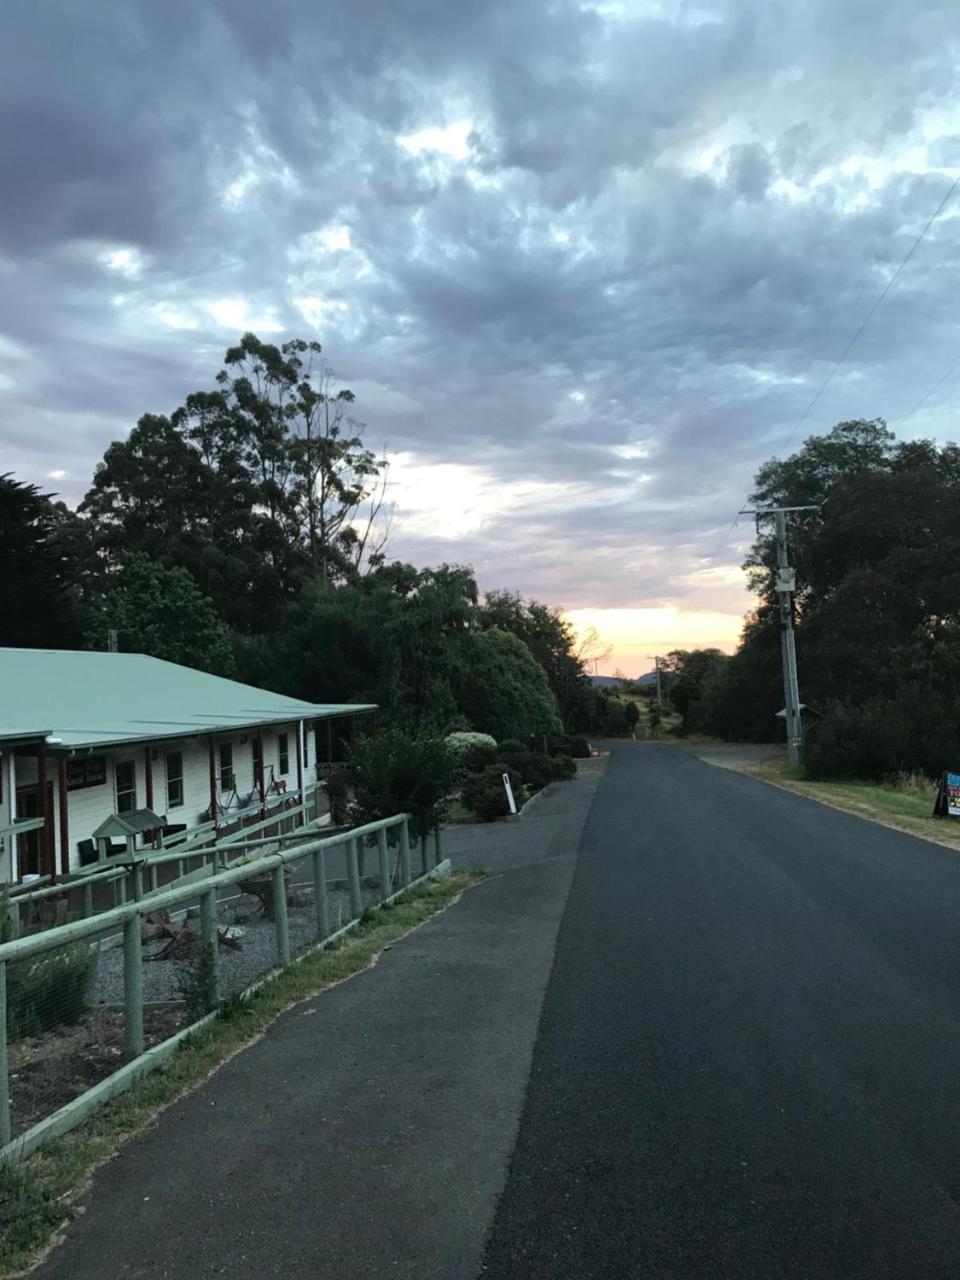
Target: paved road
(738, 1058)
(748, 1063)
(367, 1134)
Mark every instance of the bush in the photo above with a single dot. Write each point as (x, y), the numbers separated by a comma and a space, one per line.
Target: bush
(484, 792)
(563, 767)
(197, 982)
(50, 990)
(472, 751)
(511, 747)
(914, 732)
(578, 748)
(393, 773)
(533, 767)
(337, 787)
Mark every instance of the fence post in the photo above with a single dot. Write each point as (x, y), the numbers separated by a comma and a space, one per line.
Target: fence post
(133, 986)
(423, 853)
(436, 847)
(211, 939)
(137, 881)
(384, 860)
(353, 878)
(5, 1133)
(280, 915)
(404, 853)
(320, 894)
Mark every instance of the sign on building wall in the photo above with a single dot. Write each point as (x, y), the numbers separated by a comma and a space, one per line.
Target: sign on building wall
(88, 772)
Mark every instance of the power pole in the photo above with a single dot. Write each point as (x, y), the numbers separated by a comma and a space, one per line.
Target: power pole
(656, 660)
(786, 587)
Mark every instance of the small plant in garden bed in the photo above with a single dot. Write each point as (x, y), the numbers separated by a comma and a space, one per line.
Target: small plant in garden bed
(484, 792)
(49, 990)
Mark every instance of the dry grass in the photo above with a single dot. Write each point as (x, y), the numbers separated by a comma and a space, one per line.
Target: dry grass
(905, 803)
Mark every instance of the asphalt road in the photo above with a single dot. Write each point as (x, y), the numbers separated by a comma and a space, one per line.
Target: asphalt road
(748, 1061)
(367, 1133)
(721, 1040)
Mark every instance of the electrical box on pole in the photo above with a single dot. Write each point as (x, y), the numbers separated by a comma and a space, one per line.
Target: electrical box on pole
(785, 585)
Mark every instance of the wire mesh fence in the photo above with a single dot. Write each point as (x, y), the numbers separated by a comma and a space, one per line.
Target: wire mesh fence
(81, 999)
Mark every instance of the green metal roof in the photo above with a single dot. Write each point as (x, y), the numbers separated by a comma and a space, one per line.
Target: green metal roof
(93, 699)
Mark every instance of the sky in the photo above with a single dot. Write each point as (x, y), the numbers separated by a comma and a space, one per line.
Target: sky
(584, 265)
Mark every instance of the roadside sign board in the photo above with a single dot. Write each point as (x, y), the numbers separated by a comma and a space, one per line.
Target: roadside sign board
(948, 797)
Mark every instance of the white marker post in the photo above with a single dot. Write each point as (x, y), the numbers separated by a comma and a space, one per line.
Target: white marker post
(509, 790)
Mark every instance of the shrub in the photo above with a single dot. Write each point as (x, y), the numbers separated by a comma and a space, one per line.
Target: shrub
(563, 767)
(393, 773)
(533, 767)
(578, 748)
(484, 792)
(471, 751)
(337, 787)
(50, 990)
(511, 747)
(197, 982)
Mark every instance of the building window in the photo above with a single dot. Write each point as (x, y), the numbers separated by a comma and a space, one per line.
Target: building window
(306, 748)
(125, 775)
(174, 779)
(283, 750)
(257, 761)
(227, 782)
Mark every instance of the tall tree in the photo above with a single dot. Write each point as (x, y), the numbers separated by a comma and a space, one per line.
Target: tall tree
(552, 641)
(160, 612)
(255, 487)
(39, 568)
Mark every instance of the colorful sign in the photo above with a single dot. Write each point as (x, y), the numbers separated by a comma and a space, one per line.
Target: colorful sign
(948, 797)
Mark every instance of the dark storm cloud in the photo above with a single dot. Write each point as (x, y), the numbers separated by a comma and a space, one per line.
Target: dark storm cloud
(655, 231)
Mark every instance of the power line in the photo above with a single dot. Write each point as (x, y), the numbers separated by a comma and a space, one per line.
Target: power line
(874, 309)
(924, 398)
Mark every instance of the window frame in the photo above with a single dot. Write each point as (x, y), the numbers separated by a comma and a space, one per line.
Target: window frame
(127, 791)
(226, 775)
(172, 802)
(283, 754)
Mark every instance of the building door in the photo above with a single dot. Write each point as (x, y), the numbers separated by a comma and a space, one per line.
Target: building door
(31, 845)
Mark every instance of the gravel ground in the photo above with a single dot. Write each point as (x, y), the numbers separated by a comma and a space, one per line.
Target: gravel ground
(237, 969)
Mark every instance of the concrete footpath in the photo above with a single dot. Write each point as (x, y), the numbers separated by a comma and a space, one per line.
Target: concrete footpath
(368, 1132)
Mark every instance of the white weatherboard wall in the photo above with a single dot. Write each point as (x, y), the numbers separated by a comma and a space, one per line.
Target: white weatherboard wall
(88, 807)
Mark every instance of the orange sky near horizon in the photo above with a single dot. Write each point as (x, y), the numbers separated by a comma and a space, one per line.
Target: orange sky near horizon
(636, 635)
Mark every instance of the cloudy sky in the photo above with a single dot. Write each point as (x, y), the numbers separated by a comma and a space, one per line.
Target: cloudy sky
(583, 264)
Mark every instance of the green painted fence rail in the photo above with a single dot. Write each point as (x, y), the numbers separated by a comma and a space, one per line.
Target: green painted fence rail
(127, 920)
(182, 847)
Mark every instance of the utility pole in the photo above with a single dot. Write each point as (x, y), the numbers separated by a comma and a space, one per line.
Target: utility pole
(786, 587)
(656, 659)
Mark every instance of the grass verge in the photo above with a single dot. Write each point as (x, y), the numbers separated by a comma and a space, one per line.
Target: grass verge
(38, 1197)
(905, 804)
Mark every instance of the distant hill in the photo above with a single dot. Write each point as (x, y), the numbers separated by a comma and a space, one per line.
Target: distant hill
(611, 682)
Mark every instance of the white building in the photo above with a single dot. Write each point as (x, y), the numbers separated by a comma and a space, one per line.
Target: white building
(88, 735)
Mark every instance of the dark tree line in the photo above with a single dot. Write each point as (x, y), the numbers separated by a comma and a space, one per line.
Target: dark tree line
(244, 534)
(877, 609)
